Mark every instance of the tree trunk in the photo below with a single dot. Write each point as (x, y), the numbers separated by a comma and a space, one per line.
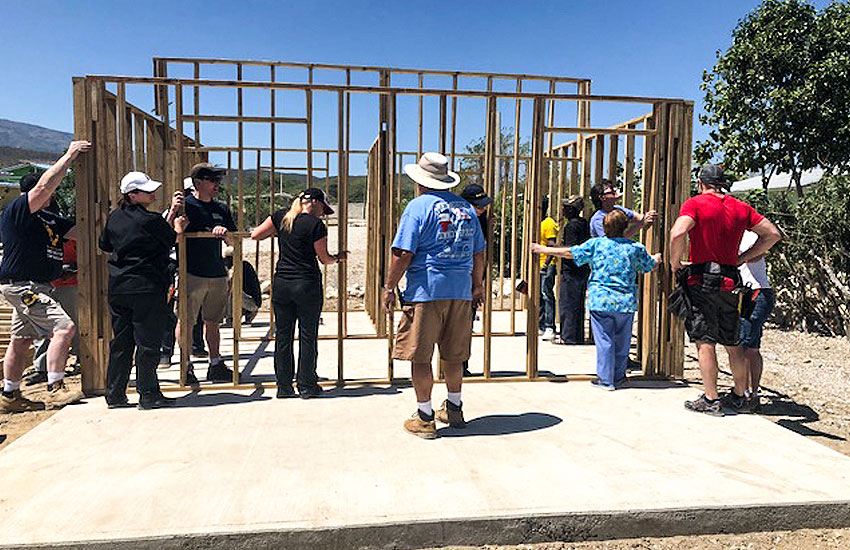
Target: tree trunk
(795, 177)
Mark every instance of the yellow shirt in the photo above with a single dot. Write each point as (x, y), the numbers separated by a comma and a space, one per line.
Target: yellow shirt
(548, 230)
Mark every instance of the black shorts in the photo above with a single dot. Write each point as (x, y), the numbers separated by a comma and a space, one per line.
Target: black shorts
(715, 317)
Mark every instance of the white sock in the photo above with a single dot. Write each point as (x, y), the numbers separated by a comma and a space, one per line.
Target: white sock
(454, 398)
(426, 408)
(53, 377)
(9, 386)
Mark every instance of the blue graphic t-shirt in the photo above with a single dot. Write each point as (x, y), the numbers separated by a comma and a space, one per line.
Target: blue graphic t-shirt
(596, 227)
(443, 233)
(614, 264)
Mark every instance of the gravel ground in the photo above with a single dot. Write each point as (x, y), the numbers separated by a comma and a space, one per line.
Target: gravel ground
(806, 384)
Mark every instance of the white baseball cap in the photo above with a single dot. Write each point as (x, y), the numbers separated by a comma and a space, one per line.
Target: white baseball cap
(138, 181)
(188, 185)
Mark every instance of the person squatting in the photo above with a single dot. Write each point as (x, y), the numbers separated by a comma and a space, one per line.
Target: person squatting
(439, 248)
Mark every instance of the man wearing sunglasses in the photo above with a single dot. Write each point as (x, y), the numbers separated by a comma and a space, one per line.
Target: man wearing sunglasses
(605, 196)
(206, 279)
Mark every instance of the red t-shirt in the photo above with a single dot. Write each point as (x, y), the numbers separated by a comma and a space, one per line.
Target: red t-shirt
(69, 256)
(720, 222)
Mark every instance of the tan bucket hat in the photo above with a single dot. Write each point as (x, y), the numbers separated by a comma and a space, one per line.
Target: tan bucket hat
(432, 171)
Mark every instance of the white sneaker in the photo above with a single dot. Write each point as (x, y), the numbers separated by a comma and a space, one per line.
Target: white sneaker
(548, 334)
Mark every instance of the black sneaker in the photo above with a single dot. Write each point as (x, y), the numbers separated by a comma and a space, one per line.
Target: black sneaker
(285, 392)
(199, 352)
(155, 401)
(311, 392)
(705, 405)
(34, 378)
(119, 404)
(755, 402)
(191, 379)
(218, 372)
(737, 403)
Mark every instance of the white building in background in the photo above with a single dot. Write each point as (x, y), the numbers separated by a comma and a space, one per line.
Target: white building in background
(778, 181)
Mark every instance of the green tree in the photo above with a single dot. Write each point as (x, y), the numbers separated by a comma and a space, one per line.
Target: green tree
(778, 98)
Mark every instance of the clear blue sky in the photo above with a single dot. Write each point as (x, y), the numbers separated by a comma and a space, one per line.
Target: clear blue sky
(657, 48)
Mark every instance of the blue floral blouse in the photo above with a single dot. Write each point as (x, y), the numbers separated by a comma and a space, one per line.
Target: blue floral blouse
(614, 265)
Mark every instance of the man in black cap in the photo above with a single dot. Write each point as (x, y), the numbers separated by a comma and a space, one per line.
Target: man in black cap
(32, 257)
(573, 277)
(475, 195)
(206, 274)
(714, 223)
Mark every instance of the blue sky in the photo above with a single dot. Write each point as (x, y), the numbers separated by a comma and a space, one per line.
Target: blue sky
(657, 48)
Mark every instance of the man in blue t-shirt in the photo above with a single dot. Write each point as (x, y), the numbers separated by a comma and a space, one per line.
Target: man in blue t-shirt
(439, 244)
(32, 257)
(604, 196)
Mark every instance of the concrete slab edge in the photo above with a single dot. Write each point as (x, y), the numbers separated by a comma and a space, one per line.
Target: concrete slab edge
(573, 527)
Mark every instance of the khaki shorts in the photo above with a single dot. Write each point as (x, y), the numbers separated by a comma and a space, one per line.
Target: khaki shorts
(208, 295)
(36, 314)
(447, 323)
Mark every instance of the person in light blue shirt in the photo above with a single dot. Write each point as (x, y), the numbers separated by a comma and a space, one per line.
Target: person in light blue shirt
(604, 196)
(439, 244)
(615, 262)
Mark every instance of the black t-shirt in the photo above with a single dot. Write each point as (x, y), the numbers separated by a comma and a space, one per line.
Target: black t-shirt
(32, 242)
(203, 256)
(576, 231)
(140, 242)
(298, 260)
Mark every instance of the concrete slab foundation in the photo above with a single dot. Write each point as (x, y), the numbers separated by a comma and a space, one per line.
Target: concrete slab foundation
(539, 461)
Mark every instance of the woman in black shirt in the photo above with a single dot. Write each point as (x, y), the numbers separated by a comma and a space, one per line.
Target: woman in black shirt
(140, 242)
(298, 293)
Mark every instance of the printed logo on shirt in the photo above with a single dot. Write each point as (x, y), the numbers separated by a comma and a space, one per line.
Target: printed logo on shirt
(54, 247)
(455, 232)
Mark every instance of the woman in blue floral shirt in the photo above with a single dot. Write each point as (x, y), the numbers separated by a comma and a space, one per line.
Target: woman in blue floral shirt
(615, 262)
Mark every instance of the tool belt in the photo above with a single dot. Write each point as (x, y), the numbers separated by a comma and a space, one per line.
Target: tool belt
(713, 274)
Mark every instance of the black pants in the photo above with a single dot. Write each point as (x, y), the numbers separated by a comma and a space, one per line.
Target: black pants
(571, 306)
(301, 301)
(137, 321)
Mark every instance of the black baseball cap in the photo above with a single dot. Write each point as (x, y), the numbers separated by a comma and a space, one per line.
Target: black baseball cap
(316, 194)
(711, 174)
(206, 171)
(29, 181)
(474, 194)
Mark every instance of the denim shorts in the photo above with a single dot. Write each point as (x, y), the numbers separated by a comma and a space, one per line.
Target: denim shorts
(752, 327)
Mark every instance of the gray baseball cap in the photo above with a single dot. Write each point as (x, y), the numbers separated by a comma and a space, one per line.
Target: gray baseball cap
(711, 174)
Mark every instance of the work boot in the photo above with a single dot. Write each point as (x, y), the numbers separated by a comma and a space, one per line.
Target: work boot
(59, 395)
(14, 402)
(310, 392)
(218, 372)
(421, 426)
(705, 405)
(451, 414)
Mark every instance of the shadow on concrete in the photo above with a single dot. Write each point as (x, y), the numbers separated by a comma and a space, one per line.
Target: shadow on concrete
(360, 391)
(214, 399)
(796, 415)
(502, 424)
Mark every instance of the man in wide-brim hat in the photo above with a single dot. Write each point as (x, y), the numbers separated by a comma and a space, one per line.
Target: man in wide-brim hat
(439, 244)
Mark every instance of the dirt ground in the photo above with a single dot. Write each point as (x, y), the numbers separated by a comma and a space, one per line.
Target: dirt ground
(806, 384)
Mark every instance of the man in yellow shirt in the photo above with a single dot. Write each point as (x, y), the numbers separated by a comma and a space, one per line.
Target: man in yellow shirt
(548, 270)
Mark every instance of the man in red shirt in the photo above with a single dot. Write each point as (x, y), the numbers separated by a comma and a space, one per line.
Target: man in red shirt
(714, 223)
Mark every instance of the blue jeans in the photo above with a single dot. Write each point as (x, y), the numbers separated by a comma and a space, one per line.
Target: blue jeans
(751, 328)
(612, 333)
(547, 297)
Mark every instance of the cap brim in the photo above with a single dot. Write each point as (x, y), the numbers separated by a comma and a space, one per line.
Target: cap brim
(425, 179)
(328, 209)
(148, 187)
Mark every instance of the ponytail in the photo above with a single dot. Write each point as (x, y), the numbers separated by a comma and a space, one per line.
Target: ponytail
(290, 216)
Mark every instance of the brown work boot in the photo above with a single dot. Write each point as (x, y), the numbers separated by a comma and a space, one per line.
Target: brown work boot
(59, 395)
(14, 402)
(416, 425)
(451, 414)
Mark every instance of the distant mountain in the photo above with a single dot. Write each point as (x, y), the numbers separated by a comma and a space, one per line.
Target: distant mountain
(10, 156)
(35, 138)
